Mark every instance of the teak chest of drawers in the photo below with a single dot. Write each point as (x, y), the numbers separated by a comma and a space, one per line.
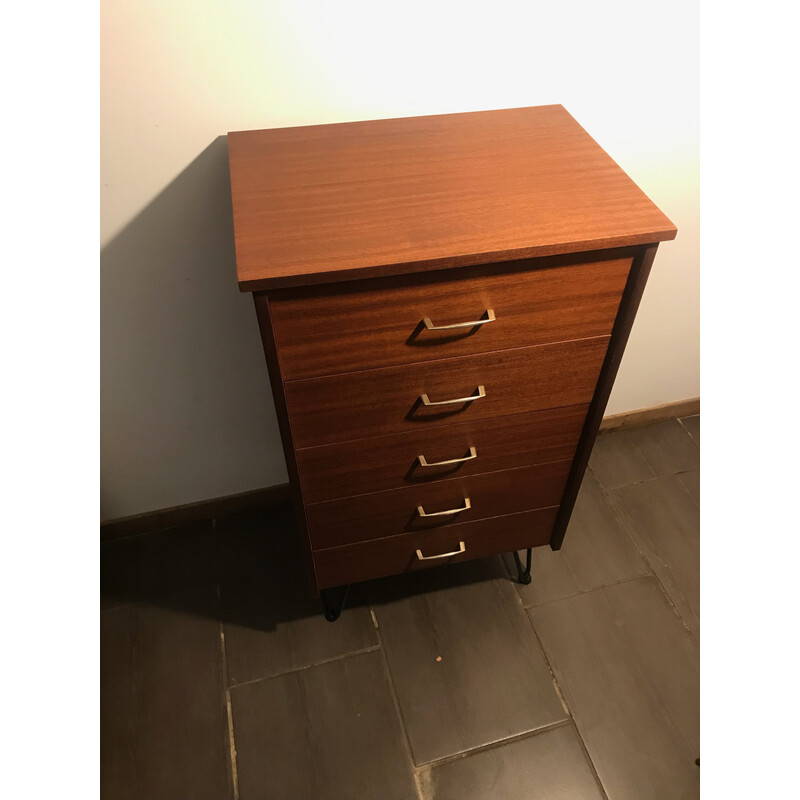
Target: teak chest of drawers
(444, 302)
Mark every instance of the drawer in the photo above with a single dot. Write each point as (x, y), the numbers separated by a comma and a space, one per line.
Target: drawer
(377, 323)
(494, 494)
(339, 408)
(380, 463)
(374, 559)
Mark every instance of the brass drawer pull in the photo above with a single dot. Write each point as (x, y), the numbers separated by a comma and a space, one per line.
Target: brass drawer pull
(428, 402)
(490, 317)
(423, 462)
(467, 505)
(462, 548)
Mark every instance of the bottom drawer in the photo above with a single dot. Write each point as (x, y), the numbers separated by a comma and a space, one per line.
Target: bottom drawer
(357, 519)
(336, 566)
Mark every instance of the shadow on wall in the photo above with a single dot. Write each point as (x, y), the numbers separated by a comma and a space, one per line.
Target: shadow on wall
(186, 410)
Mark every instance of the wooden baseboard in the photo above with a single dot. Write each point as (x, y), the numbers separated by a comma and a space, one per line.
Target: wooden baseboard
(193, 512)
(643, 416)
(275, 495)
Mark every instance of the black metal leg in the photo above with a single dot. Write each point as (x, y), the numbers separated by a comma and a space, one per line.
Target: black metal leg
(332, 610)
(524, 575)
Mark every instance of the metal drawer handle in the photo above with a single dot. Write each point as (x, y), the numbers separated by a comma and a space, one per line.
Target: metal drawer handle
(428, 402)
(467, 505)
(462, 548)
(431, 327)
(423, 462)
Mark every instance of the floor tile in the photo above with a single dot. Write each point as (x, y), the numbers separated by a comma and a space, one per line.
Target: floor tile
(616, 461)
(163, 721)
(597, 551)
(691, 482)
(663, 519)
(272, 623)
(692, 426)
(146, 566)
(546, 766)
(464, 660)
(638, 454)
(326, 733)
(628, 670)
(662, 648)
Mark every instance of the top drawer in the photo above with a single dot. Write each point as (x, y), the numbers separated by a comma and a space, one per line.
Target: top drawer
(381, 322)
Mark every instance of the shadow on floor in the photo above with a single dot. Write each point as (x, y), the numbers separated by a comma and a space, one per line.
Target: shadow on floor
(255, 558)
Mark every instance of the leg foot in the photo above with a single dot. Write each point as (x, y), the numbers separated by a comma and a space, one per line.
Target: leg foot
(333, 610)
(523, 574)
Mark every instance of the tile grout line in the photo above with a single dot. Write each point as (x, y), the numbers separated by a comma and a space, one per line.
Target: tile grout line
(642, 481)
(625, 639)
(642, 675)
(398, 711)
(229, 714)
(483, 748)
(592, 767)
(563, 699)
(340, 657)
(629, 579)
(688, 432)
(226, 687)
(626, 529)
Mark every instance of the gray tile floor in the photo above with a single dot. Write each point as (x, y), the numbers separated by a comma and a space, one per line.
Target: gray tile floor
(221, 679)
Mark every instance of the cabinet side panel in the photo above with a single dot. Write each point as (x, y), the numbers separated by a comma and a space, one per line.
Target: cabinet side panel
(261, 300)
(631, 297)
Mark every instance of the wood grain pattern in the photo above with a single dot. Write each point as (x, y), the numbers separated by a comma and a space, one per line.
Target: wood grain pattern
(392, 555)
(380, 463)
(383, 401)
(360, 230)
(368, 199)
(381, 514)
(368, 324)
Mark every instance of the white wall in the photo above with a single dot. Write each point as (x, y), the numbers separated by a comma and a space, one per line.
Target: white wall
(186, 409)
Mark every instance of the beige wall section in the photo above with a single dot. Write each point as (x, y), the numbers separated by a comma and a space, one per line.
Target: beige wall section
(186, 409)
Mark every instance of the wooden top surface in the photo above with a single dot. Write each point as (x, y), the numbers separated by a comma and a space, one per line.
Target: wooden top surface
(325, 203)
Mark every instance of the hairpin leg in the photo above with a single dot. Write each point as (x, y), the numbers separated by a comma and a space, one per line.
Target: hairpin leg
(332, 611)
(524, 575)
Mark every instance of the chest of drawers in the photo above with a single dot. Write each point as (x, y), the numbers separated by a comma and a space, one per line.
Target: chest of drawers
(444, 302)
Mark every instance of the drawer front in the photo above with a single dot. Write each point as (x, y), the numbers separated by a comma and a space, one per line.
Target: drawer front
(389, 400)
(374, 559)
(371, 324)
(381, 463)
(495, 494)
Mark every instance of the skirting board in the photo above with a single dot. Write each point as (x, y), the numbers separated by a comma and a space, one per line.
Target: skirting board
(275, 495)
(193, 512)
(643, 416)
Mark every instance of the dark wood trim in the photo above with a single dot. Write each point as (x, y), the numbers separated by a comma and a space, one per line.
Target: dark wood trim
(261, 300)
(644, 416)
(619, 338)
(193, 512)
